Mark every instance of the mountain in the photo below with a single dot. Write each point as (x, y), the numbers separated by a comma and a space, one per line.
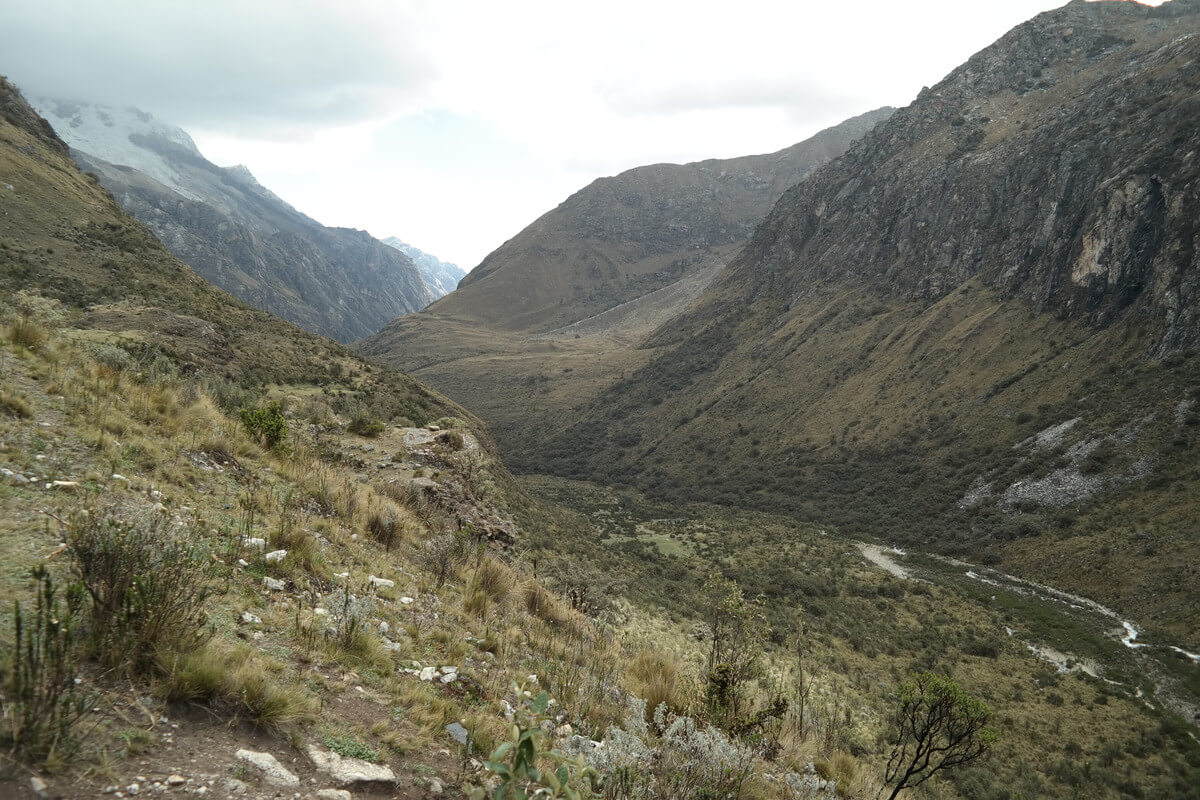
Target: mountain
(63, 235)
(441, 277)
(625, 236)
(338, 282)
(557, 313)
(976, 330)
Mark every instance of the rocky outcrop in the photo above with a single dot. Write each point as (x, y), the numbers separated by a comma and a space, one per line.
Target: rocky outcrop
(1061, 165)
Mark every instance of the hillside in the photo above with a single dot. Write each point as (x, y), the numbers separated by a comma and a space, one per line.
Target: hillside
(975, 331)
(622, 237)
(555, 315)
(336, 282)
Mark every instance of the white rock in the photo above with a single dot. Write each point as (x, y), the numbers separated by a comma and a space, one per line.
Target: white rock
(380, 583)
(272, 771)
(435, 786)
(275, 556)
(448, 670)
(384, 628)
(341, 576)
(243, 562)
(349, 771)
(450, 677)
(254, 543)
(428, 673)
(132, 789)
(176, 780)
(406, 600)
(251, 619)
(116, 476)
(38, 785)
(273, 584)
(334, 794)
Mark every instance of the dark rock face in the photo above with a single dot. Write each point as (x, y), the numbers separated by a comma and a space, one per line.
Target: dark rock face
(1061, 165)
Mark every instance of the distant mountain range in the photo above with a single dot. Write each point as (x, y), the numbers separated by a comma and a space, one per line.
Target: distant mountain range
(338, 282)
(441, 277)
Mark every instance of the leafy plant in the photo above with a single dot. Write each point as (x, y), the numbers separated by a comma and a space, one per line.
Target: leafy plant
(266, 423)
(349, 746)
(515, 762)
(939, 726)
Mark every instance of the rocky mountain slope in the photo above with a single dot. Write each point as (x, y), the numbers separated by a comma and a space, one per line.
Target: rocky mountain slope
(624, 236)
(441, 277)
(337, 282)
(976, 330)
(557, 313)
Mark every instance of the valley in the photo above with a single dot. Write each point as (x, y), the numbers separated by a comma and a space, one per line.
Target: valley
(718, 480)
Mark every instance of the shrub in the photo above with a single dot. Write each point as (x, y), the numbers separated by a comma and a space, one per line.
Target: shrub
(40, 703)
(441, 555)
(147, 583)
(365, 425)
(265, 423)
(672, 756)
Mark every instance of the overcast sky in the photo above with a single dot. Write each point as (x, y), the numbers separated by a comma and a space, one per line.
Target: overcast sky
(452, 124)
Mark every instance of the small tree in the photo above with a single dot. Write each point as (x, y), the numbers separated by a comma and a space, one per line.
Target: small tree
(939, 726)
(739, 632)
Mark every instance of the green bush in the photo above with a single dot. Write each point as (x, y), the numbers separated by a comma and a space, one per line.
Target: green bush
(365, 425)
(147, 583)
(266, 423)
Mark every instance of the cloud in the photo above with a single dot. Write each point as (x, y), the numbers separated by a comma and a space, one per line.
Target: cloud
(741, 92)
(278, 67)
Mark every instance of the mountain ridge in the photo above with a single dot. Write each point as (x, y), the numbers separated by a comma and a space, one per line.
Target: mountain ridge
(237, 233)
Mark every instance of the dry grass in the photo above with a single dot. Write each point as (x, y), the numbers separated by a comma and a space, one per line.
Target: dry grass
(494, 578)
(654, 676)
(239, 678)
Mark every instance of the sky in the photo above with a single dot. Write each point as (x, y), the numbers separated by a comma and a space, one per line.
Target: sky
(454, 124)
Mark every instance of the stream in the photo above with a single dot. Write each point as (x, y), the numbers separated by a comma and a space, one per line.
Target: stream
(1073, 633)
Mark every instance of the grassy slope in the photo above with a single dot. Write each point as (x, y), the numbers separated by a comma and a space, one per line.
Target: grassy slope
(878, 416)
(863, 630)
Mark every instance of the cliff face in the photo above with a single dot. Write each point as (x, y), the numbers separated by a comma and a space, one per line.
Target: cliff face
(1059, 165)
(337, 282)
